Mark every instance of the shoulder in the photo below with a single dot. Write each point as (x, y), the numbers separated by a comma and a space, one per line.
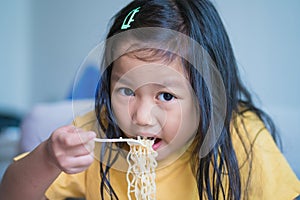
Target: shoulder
(247, 125)
(248, 132)
(250, 137)
(265, 173)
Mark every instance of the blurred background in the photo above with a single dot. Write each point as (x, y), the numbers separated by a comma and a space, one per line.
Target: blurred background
(44, 43)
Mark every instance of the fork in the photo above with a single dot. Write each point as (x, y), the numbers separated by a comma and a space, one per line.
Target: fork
(128, 140)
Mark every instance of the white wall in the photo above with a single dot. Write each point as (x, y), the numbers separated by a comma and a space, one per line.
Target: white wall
(15, 55)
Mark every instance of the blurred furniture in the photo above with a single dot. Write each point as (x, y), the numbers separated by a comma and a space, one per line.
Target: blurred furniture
(9, 118)
(44, 118)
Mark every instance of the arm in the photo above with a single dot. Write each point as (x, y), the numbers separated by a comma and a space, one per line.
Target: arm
(68, 149)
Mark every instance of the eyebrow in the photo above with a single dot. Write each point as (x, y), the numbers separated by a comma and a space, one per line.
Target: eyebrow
(117, 78)
(169, 82)
(172, 82)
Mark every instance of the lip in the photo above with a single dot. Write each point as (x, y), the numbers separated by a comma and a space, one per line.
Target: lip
(156, 145)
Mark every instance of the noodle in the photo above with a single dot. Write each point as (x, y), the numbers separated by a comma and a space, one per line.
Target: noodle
(141, 171)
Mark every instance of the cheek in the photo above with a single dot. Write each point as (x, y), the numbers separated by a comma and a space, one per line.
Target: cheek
(120, 110)
(171, 126)
(173, 122)
(190, 122)
(181, 125)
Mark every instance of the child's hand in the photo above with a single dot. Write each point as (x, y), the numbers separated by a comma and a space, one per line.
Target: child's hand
(71, 149)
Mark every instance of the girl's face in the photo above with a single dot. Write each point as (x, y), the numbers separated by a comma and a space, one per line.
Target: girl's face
(156, 101)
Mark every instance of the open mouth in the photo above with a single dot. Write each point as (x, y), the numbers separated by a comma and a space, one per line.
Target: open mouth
(157, 143)
(156, 140)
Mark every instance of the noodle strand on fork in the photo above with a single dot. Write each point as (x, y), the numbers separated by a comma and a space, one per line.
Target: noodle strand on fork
(141, 171)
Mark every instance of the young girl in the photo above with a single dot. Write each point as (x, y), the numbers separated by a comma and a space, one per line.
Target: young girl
(169, 75)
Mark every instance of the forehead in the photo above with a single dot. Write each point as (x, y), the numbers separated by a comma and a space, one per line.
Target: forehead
(135, 73)
(142, 62)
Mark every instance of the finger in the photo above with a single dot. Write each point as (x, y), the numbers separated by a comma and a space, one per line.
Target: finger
(76, 138)
(90, 146)
(82, 149)
(78, 164)
(87, 137)
(69, 128)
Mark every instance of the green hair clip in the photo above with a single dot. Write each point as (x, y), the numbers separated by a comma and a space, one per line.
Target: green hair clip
(130, 16)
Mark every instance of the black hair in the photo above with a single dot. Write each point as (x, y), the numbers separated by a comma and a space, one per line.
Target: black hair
(199, 20)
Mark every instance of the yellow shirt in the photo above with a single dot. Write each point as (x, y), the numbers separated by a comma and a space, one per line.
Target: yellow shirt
(271, 177)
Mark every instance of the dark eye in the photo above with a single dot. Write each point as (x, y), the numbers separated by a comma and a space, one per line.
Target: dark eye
(165, 96)
(126, 92)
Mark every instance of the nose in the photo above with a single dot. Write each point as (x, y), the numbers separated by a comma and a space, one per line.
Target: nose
(142, 112)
